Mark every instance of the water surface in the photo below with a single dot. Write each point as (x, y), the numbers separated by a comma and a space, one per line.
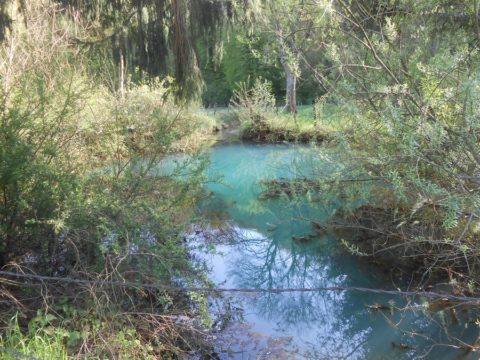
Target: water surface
(263, 250)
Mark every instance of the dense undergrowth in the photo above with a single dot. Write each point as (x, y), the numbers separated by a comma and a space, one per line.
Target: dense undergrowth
(419, 137)
(399, 114)
(83, 197)
(89, 190)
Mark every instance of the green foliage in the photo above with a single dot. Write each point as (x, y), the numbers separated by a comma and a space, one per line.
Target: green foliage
(412, 85)
(239, 63)
(253, 103)
(47, 337)
(37, 112)
(149, 38)
(90, 187)
(92, 182)
(56, 135)
(353, 249)
(261, 120)
(41, 340)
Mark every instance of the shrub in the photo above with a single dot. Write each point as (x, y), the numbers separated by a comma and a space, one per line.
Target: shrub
(90, 184)
(415, 135)
(40, 95)
(253, 105)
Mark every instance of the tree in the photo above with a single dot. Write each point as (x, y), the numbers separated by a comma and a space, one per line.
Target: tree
(291, 25)
(144, 34)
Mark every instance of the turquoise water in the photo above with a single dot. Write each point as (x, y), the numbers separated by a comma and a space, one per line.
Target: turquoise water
(260, 249)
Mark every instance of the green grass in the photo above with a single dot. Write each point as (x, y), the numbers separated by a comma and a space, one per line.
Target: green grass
(282, 126)
(332, 118)
(303, 127)
(42, 343)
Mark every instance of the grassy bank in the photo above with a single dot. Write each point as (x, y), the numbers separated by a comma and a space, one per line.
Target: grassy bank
(262, 121)
(303, 127)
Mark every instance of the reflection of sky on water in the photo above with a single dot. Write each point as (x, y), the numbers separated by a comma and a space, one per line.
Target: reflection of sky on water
(263, 255)
(314, 320)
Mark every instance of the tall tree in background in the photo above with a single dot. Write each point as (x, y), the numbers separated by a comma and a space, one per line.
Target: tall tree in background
(147, 37)
(283, 18)
(148, 33)
(291, 25)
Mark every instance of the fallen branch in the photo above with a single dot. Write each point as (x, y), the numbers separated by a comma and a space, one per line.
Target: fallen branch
(127, 284)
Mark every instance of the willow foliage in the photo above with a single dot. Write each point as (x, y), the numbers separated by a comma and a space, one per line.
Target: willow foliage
(152, 34)
(408, 71)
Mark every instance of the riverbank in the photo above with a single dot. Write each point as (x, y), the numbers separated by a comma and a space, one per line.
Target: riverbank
(366, 229)
(278, 128)
(266, 245)
(132, 218)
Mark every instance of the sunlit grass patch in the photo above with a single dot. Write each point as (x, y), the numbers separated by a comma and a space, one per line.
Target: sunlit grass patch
(44, 342)
(304, 126)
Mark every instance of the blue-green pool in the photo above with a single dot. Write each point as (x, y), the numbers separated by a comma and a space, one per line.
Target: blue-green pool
(261, 253)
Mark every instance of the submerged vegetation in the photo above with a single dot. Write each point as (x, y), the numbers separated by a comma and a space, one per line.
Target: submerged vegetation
(102, 132)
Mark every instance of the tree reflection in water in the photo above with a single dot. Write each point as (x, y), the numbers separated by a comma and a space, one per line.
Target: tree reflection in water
(322, 324)
(315, 318)
(264, 249)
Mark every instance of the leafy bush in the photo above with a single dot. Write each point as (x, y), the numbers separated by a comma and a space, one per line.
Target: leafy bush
(90, 184)
(253, 104)
(58, 128)
(261, 120)
(415, 134)
(40, 96)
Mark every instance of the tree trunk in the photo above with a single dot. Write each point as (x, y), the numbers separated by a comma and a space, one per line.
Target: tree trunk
(291, 92)
(290, 76)
(121, 74)
(291, 87)
(187, 72)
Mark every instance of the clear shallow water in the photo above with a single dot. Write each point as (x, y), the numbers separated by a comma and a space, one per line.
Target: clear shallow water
(261, 253)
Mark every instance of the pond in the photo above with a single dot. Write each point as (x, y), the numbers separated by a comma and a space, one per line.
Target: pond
(265, 246)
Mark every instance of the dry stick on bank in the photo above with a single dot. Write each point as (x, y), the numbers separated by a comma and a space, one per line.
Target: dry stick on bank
(133, 285)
